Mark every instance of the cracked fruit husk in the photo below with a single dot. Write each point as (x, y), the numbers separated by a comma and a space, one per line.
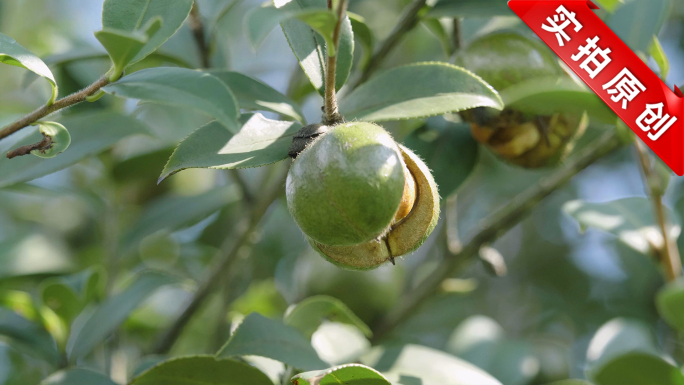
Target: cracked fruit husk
(360, 198)
(504, 60)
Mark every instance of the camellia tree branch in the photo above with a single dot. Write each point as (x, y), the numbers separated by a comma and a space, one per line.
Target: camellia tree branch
(494, 226)
(667, 253)
(44, 111)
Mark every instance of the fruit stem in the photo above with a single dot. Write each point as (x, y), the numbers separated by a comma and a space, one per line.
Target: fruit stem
(332, 115)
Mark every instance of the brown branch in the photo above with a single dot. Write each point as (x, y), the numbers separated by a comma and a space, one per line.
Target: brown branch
(667, 253)
(197, 28)
(408, 20)
(227, 255)
(494, 226)
(331, 111)
(25, 150)
(44, 111)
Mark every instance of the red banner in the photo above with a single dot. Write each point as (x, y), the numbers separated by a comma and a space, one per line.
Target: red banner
(610, 68)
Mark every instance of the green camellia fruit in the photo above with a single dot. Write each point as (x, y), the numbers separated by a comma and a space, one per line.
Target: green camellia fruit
(359, 197)
(504, 60)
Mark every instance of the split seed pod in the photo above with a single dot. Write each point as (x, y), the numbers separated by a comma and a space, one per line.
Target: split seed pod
(360, 198)
(504, 60)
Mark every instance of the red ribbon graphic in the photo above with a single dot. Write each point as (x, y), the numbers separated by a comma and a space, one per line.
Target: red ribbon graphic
(610, 68)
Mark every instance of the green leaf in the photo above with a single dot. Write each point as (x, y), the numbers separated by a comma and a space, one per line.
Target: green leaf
(617, 337)
(549, 95)
(132, 15)
(68, 295)
(254, 95)
(630, 219)
(416, 91)
(658, 53)
(365, 36)
(610, 5)
(434, 367)
(201, 370)
(77, 376)
(309, 47)
(171, 213)
(670, 302)
(260, 142)
(639, 369)
(308, 315)
(181, 87)
(112, 312)
(123, 46)
(637, 22)
(470, 8)
(571, 382)
(449, 151)
(15, 55)
(260, 22)
(261, 336)
(29, 334)
(352, 374)
(91, 133)
(435, 26)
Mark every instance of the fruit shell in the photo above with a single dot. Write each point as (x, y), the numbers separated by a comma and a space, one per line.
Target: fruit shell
(405, 236)
(346, 187)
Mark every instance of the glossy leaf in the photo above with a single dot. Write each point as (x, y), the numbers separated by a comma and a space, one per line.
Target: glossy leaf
(308, 315)
(91, 133)
(182, 88)
(201, 370)
(639, 369)
(417, 91)
(77, 376)
(260, 142)
(630, 219)
(254, 95)
(658, 53)
(636, 22)
(670, 302)
(123, 46)
(15, 55)
(112, 312)
(261, 21)
(546, 96)
(309, 47)
(364, 35)
(470, 8)
(617, 337)
(132, 15)
(261, 336)
(449, 150)
(434, 367)
(171, 213)
(28, 333)
(352, 374)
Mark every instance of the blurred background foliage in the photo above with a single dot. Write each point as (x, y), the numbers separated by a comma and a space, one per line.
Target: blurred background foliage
(71, 239)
